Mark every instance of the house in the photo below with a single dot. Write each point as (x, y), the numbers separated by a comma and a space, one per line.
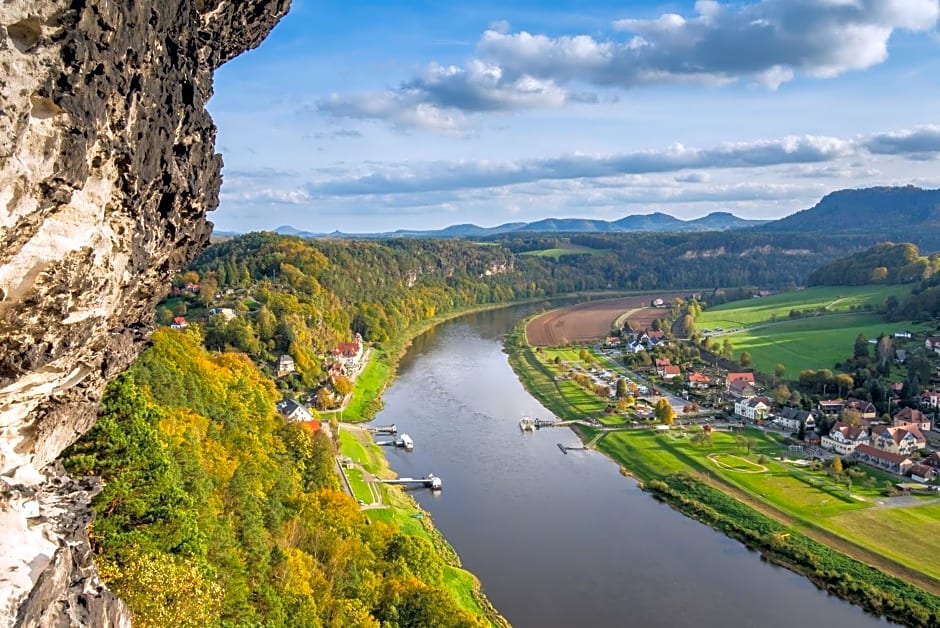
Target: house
(755, 408)
(741, 389)
(898, 440)
(792, 418)
(611, 341)
(922, 473)
(225, 312)
(285, 365)
(660, 365)
(350, 353)
(658, 302)
(746, 377)
(930, 398)
(179, 322)
(670, 371)
(893, 462)
(843, 438)
(830, 408)
(865, 409)
(933, 344)
(900, 356)
(293, 411)
(903, 334)
(933, 460)
(698, 380)
(909, 416)
(654, 335)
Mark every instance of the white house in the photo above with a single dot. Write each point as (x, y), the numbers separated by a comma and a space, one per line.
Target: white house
(293, 411)
(753, 408)
(844, 438)
(285, 365)
(225, 312)
(792, 418)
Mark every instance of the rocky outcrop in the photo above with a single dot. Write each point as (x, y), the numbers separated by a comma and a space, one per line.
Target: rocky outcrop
(107, 170)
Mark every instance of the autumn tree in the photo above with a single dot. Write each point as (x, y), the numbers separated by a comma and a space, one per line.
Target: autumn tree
(664, 412)
(745, 359)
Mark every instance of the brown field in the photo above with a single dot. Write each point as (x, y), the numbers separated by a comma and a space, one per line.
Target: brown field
(643, 319)
(587, 321)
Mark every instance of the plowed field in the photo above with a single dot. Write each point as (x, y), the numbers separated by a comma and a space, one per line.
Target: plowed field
(583, 322)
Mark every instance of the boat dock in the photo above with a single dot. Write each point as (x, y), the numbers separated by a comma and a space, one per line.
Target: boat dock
(383, 429)
(431, 481)
(565, 449)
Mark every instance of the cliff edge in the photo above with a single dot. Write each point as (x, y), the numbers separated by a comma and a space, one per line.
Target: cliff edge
(107, 170)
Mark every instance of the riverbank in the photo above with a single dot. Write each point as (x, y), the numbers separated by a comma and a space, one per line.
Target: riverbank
(394, 506)
(381, 369)
(701, 489)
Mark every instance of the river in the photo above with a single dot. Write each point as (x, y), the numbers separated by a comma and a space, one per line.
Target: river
(565, 540)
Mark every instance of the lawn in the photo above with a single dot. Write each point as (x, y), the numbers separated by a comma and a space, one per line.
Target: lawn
(810, 343)
(369, 385)
(766, 309)
(359, 487)
(908, 535)
(568, 249)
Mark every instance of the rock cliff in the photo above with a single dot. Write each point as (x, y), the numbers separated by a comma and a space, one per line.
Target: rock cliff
(107, 170)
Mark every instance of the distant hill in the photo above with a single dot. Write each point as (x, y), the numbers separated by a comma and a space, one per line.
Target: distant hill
(883, 263)
(652, 223)
(884, 211)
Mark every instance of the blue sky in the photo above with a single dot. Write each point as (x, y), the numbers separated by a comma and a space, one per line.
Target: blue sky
(374, 116)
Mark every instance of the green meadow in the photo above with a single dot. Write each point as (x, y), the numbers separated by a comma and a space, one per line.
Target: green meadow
(568, 249)
(778, 307)
(810, 343)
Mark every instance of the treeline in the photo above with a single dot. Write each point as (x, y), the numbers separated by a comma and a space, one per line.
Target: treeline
(887, 263)
(653, 261)
(215, 512)
(301, 297)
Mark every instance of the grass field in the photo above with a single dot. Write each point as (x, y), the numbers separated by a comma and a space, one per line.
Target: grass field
(568, 249)
(763, 310)
(369, 386)
(810, 343)
(879, 528)
(908, 535)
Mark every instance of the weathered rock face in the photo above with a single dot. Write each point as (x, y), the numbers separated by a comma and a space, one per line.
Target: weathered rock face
(107, 170)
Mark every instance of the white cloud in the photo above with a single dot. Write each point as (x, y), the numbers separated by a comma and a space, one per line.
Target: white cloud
(806, 150)
(769, 42)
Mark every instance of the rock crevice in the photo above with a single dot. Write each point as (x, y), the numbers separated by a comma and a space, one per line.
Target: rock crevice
(107, 170)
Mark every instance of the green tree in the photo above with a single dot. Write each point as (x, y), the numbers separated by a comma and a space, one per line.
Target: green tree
(745, 359)
(779, 370)
(861, 347)
(622, 391)
(164, 315)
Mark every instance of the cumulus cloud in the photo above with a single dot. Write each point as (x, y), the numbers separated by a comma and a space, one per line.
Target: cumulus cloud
(768, 42)
(465, 175)
(922, 143)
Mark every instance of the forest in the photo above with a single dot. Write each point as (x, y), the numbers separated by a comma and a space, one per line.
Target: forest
(215, 512)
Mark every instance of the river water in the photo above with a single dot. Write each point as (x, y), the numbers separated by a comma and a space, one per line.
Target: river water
(565, 540)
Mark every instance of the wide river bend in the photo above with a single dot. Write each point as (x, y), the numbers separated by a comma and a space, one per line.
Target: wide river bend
(565, 540)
